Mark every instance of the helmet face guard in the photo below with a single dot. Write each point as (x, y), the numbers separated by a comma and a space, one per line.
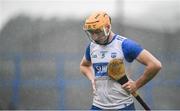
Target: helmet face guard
(98, 36)
(96, 27)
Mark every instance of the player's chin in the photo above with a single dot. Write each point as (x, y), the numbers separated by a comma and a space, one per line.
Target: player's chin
(101, 42)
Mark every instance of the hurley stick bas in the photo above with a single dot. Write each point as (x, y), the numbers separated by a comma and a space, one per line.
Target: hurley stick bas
(116, 71)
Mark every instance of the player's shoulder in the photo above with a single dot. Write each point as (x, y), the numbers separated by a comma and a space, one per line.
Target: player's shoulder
(125, 40)
(93, 46)
(120, 38)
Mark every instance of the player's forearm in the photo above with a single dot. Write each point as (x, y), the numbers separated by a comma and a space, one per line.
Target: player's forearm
(149, 72)
(86, 70)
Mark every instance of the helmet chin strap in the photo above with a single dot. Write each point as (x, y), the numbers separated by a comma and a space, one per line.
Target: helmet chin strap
(107, 34)
(105, 42)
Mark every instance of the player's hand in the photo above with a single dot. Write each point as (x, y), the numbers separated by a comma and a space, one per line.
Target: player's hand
(130, 86)
(93, 86)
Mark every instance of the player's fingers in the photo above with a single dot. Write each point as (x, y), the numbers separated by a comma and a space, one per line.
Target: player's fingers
(125, 85)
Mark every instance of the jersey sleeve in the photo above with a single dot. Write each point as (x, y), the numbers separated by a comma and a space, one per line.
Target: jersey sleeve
(131, 49)
(87, 53)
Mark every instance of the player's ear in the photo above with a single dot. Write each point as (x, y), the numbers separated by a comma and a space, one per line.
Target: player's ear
(108, 27)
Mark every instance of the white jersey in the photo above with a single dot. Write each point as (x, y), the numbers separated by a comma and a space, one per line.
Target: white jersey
(109, 94)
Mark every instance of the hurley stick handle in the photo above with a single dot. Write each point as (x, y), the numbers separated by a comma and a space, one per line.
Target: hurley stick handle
(140, 100)
(122, 81)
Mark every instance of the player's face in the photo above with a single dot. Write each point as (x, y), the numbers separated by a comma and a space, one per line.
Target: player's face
(97, 36)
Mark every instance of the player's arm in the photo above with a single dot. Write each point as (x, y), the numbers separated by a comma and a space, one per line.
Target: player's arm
(133, 51)
(152, 68)
(85, 68)
(85, 65)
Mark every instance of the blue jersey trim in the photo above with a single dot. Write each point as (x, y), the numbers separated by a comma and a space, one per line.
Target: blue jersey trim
(113, 38)
(87, 54)
(131, 49)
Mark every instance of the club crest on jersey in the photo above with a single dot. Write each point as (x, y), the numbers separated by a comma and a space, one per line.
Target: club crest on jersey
(94, 56)
(113, 54)
(103, 53)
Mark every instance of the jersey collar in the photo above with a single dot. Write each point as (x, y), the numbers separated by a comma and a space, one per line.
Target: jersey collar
(112, 39)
